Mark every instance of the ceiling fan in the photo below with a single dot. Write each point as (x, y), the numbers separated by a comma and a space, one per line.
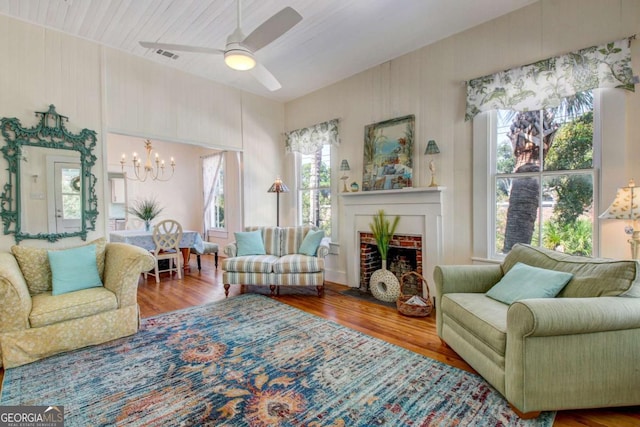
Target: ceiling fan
(238, 53)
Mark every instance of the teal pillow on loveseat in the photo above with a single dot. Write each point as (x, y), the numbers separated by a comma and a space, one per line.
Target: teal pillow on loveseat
(250, 243)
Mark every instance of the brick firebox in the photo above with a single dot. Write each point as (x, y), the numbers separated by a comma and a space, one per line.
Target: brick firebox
(405, 254)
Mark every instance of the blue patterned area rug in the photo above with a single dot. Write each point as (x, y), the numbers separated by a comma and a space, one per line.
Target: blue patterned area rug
(252, 361)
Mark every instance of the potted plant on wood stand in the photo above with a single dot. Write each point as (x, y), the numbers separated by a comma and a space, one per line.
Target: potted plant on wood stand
(384, 285)
(146, 210)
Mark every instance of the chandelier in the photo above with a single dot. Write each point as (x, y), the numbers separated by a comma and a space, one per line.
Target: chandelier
(155, 172)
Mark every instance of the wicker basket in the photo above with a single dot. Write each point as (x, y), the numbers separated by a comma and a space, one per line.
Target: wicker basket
(411, 309)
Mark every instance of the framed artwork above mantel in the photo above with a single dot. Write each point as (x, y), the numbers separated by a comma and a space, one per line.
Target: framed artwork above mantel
(388, 154)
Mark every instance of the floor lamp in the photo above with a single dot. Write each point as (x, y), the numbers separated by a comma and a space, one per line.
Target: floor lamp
(278, 187)
(625, 206)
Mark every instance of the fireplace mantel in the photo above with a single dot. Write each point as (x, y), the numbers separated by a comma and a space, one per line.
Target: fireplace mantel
(413, 191)
(420, 211)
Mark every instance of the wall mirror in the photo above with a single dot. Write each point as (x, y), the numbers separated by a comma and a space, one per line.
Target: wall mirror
(50, 190)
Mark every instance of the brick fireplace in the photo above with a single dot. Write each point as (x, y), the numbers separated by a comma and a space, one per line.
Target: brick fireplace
(405, 254)
(418, 238)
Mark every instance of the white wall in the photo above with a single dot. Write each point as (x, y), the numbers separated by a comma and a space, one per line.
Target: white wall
(263, 160)
(430, 83)
(184, 206)
(147, 99)
(42, 67)
(110, 91)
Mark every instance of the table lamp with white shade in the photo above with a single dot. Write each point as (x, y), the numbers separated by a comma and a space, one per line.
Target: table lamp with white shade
(626, 206)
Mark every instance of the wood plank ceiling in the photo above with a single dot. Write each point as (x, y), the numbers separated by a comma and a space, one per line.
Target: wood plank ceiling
(334, 40)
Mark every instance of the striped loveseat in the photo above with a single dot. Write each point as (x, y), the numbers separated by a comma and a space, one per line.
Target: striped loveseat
(281, 265)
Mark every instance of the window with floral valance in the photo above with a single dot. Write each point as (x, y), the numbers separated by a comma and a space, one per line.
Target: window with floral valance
(311, 139)
(312, 147)
(545, 83)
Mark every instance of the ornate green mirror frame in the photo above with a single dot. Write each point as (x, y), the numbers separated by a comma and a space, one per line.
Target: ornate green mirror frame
(51, 133)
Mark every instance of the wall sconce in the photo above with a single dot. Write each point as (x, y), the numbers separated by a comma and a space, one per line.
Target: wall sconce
(431, 150)
(344, 167)
(627, 198)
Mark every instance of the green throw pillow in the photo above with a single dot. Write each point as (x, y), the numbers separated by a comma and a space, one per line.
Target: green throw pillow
(74, 269)
(250, 243)
(311, 242)
(524, 282)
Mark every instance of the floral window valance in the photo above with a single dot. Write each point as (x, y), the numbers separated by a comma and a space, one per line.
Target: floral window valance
(311, 139)
(545, 83)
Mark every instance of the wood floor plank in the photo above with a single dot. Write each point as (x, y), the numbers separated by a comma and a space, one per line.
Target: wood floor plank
(415, 334)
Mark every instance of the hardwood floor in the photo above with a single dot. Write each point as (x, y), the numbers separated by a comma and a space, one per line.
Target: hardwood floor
(416, 334)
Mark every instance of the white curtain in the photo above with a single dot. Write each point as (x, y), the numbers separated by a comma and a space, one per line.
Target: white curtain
(210, 172)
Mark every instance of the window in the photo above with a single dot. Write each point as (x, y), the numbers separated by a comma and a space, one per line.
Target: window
(314, 189)
(543, 178)
(217, 203)
(312, 148)
(527, 190)
(213, 180)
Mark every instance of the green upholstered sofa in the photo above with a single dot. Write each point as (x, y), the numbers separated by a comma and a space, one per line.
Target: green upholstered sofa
(35, 324)
(282, 265)
(580, 349)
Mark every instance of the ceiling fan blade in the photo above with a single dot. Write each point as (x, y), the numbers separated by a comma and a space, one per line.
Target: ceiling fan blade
(272, 28)
(264, 76)
(181, 48)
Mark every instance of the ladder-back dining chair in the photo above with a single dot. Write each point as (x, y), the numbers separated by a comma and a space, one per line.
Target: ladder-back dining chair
(166, 236)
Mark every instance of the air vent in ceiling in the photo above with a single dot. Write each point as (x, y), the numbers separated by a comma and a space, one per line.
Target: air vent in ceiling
(167, 54)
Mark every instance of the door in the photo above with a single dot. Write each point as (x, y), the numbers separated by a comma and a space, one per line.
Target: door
(68, 196)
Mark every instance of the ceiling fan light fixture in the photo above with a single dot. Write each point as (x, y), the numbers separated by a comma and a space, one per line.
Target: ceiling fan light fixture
(239, 59)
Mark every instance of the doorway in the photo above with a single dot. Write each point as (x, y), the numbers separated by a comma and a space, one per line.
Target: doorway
(65, 185)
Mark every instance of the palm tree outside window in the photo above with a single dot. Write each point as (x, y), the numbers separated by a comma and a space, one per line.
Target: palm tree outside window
(543, 177)
(314, 192)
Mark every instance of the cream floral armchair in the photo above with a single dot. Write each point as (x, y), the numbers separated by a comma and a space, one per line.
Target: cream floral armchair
(35, 324)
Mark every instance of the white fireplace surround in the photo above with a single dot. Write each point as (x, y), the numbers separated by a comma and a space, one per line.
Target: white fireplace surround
(420, 212)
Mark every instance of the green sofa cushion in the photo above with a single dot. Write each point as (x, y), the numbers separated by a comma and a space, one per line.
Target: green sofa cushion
(524, 282)
(482, 317)
(592, 277)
